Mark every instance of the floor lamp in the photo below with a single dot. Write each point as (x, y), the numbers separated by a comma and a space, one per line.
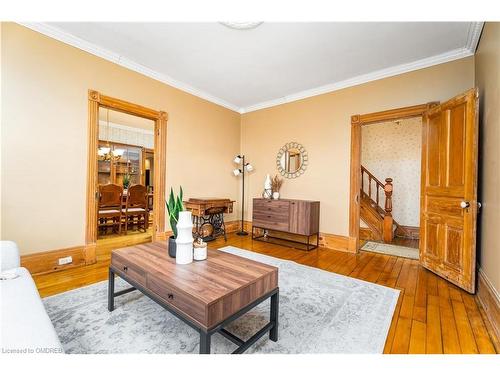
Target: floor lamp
(245, 167)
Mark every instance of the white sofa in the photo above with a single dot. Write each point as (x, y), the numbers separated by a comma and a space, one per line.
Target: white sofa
(25, 326)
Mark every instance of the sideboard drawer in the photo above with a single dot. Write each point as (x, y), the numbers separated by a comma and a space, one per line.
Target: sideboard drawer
(268, 223)
(271, 205)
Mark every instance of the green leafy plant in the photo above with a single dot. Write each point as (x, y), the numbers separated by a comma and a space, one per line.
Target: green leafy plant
(174, 206)
(126, 180)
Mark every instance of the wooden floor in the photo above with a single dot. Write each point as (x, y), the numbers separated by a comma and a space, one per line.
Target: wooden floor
(432, 315)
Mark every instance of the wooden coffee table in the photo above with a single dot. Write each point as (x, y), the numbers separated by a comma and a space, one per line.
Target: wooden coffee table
(207, 295)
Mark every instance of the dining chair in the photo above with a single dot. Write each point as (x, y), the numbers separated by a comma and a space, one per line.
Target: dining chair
(137, 207)
(110, 206)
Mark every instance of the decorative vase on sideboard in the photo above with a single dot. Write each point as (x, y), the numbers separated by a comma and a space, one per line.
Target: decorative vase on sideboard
(184, 240)
(276, 195)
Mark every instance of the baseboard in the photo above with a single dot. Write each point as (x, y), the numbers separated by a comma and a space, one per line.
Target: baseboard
(407, 231)
(235, 225)
(337, 242)
(489, 299)
(47, 261)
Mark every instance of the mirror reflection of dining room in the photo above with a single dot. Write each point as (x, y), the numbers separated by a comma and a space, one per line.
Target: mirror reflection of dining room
(125, 169)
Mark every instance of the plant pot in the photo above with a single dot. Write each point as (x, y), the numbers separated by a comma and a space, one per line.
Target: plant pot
(172, 247)
(276, 195)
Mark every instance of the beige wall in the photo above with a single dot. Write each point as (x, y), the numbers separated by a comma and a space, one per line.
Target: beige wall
(322, 125)
(487, 67)
(394, 150)
(44, 136)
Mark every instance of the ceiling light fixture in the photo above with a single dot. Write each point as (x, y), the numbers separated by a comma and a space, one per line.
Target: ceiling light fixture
(241, 25)
(104, 152)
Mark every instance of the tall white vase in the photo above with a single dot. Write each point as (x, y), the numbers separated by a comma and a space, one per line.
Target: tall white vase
(184, 240)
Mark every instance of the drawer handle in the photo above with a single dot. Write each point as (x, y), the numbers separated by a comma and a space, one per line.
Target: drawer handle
(125, 268)
(170, 296)
(269, 216)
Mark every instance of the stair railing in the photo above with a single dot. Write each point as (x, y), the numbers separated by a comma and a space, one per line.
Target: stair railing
(374, 197)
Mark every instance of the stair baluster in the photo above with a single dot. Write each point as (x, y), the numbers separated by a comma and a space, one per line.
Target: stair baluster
(388, 220)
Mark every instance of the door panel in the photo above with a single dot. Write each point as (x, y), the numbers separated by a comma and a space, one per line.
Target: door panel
(449, 177)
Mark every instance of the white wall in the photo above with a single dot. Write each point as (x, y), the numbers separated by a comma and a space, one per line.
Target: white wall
(391, 150)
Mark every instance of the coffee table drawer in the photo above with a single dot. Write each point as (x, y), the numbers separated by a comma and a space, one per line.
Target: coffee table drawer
(187, 304)
(132, 271)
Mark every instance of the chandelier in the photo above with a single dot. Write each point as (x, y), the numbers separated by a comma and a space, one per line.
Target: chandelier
(104, 152)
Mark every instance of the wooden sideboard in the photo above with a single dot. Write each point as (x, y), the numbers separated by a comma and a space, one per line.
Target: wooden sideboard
(292, 216)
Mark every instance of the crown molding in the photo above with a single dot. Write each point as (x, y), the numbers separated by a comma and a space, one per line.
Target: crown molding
(67, 38)
(475, 30)
(365, 78)
(469, 49)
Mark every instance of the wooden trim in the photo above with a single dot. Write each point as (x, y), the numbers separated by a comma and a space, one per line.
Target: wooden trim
(395, 114)
(97, 100)
(337, 242)
(407, 231)
(489, 300)
(357, 121)
(47, 261)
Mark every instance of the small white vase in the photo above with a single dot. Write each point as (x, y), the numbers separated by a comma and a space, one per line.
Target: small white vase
(200, 253)
(276, 195)
(184, 240)
(267, 183)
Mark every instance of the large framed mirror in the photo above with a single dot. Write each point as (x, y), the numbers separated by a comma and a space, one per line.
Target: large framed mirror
(292, 160)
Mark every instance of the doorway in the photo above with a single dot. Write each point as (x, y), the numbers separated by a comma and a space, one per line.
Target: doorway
(133, 159)
(385, 187)
(448, 190)
(390, 187)
(125, 163)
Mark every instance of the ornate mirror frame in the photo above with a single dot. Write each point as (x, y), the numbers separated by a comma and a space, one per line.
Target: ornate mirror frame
(303, 154)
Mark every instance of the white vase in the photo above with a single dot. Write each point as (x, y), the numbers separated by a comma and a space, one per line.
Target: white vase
(276, 195)
(267, 183)
(184, 240)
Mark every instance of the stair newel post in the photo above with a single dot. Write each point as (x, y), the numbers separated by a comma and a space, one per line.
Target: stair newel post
(388, 220)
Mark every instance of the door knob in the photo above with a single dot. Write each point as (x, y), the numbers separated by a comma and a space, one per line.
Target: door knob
(464, 204)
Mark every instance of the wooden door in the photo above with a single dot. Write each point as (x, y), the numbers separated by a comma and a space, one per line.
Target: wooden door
(448, 199)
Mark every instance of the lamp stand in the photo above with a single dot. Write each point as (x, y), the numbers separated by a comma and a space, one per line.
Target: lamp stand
(242, 231)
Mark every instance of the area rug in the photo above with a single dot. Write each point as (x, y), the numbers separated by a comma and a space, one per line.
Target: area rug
(320, 312)
(384, 248)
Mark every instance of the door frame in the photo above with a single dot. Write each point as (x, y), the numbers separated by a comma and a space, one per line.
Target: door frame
(357, 121)
(97, 100)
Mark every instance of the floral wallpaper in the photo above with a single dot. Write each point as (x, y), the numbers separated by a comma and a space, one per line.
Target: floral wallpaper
(393, 149)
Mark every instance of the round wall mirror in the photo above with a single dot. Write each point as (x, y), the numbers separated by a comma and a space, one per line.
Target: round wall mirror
(291, 160)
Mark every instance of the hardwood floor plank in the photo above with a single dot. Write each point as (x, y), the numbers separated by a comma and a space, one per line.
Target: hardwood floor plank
(417, 337)
(483, 339)
(420, 305)
(451, 343)
(465, 335)
(434, 344)
(401, 342)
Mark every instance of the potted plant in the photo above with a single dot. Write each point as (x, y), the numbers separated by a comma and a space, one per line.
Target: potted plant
(126, 180)
(276, 183)
(174, 206)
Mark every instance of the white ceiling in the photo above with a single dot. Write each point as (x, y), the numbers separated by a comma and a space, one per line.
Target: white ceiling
(274, 63)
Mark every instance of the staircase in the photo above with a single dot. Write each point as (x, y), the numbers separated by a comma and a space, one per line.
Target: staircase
(379, 220)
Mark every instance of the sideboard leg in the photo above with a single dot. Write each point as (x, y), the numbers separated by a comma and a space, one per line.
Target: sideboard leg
(273, 333)
(204, 342)
(111, 290)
